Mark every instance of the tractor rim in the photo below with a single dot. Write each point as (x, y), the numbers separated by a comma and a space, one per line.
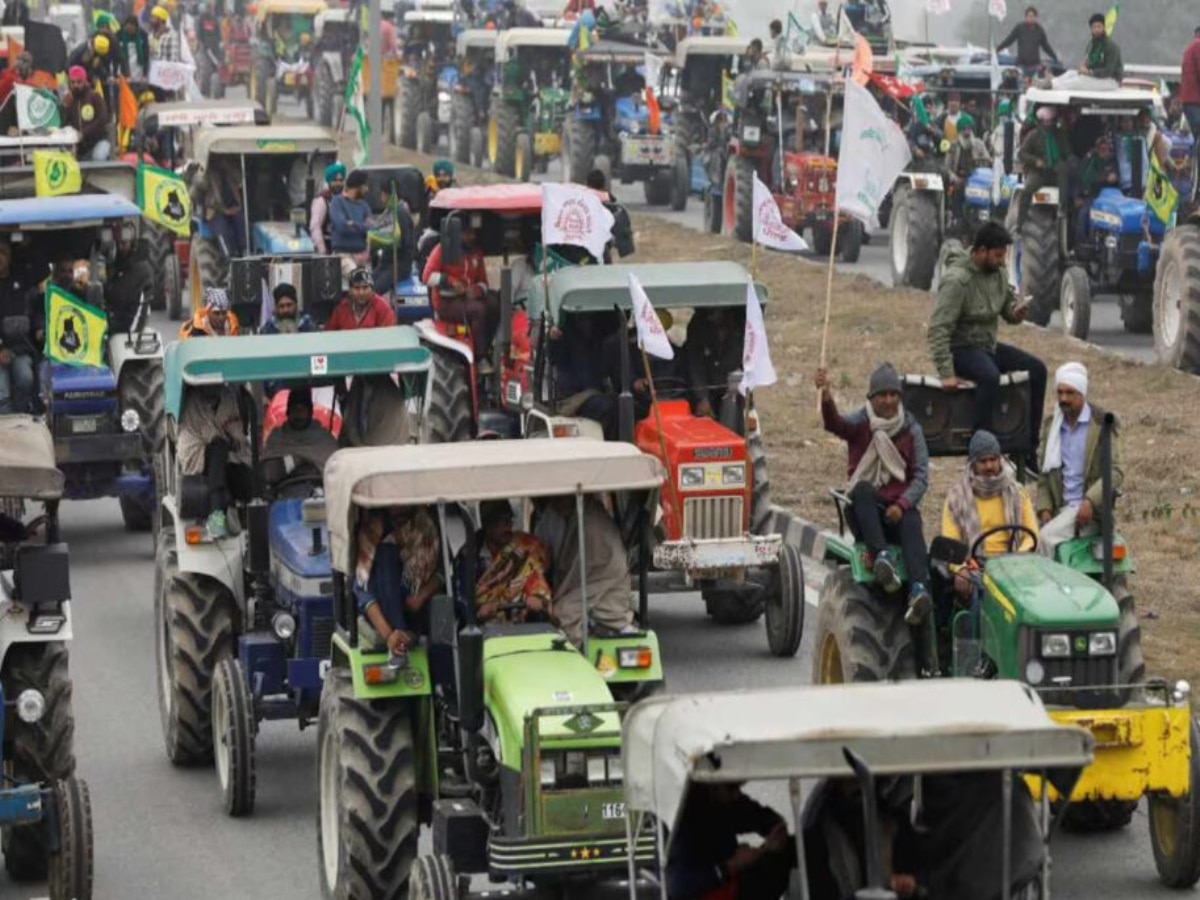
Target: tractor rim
(1070, 305)
(900, 242)
(831, 661)
(493, 141)
(1170, 312)
(1165, 814)
(220, 735)
(330, 843)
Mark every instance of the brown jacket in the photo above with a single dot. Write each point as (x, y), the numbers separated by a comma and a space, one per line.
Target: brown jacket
(1050, 493)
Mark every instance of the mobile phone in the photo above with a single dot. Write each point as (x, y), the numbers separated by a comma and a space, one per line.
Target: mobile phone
(1023, 303)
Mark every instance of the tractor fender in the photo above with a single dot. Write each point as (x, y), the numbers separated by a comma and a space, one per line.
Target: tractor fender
(428, 333)
(123, 348)
(334, 62)
(922, 181)
(13, 629)
(221, 563)
(1047, 196)
(539, 424)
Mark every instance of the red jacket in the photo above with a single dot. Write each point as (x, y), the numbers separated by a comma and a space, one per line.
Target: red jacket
(378, 315)
(471, 270)
(1189, 85)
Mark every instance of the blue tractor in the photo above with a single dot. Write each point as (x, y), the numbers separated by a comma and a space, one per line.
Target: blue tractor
(428, 76)
(243, 622)
(106, 419)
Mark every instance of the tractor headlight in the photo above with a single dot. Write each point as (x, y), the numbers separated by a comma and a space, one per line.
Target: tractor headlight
(1056, 646)
(691, 476)
(616, 769)
(733, 475)
(576, 764)
(548, 775)
(130, 421)
(751, 134)
(284, 625)
(1102, 643)
(1035, 672)
(596, 771)
(31, 705)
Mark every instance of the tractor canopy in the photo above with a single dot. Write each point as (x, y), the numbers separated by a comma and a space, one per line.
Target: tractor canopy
(593, 289)
(475, 39)
(74, 211)
(1090, 97)
(269, 140)
(267, 9)
(115, 178)
(511, 41)
(381, 477)
(1040, 592)
(156, 116)
(286, 357)
(27, 467)
(718, 46)
(409, 182)
(614, 53)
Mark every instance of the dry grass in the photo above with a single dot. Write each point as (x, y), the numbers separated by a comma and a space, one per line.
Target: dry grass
(1160, 510)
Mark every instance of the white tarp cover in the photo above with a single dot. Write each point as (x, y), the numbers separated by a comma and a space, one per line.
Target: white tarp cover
(899, 728)
(27, 467)
(474, 471)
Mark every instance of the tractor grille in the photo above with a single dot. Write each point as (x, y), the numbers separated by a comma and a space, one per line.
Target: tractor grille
(322, 636)
(1070, 674)
(713, 517)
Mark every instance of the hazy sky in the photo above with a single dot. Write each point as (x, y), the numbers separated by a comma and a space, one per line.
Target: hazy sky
(908, 16)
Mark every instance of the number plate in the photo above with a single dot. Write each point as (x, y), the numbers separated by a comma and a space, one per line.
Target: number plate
(645, 151)
(83, 426)
(610, 811)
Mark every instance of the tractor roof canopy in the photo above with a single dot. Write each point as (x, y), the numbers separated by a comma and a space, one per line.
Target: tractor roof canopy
(802, 732)
(27, 468)
(476, 39)
(708, 46)
(506, 199)
(68, 211)
(586, 289)
(469, 472)
(284, 357)
(616, 52)
(250, 140)
(429, 16)
(116, 178)
(203, 112)
(410, 186)
(268, 8)
(514, 38)
(1091, 96)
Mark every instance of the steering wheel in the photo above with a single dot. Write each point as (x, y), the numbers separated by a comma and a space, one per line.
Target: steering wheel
(304, 474)
(1006, 529)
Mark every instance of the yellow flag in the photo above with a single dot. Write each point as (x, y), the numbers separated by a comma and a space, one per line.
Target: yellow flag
(727, 91)
(164, 200)
(1110, 18)
(1161, 195)
(74, 330)
(55, 172)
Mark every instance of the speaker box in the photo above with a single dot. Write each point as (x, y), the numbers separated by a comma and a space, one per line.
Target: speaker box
(321, 286)
(246, 278)
(947, 417)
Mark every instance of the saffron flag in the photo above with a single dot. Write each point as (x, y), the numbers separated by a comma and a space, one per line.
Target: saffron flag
(127, 105)
(575, 215)
(163, 199)
(74, 330)
(55, 172)
(651, 336)
(864, 61)
(757, 370)
(873, 153)
(769, 230)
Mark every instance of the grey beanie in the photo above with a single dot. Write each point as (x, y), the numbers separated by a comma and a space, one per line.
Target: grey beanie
(983, 443)
(884, 378)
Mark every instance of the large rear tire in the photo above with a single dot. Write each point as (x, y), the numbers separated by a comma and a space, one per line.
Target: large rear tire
(462, 120)
(367, 821)
(324, 90)
(860, 637)
(449, 417)
(141, 391)
(785, 604)
(503, 126)
(42, 752)
(1175, 827)
(578, 149)
(738, 199)
(1177, 300)
(915, 238)
(209, 268)
(160, 249)
(71, 867)
(408, 107)
(233, 731)
(193, 633)
(1041, 274)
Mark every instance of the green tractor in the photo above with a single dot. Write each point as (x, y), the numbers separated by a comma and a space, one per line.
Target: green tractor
(1067, 627)
(512, 756)
(530, 101)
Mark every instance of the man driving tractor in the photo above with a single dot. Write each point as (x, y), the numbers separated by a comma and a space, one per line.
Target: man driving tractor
(460, 294)
(512, 566)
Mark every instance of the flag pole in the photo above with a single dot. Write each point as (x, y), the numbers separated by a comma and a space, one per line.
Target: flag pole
(662, 440)
(828, 296)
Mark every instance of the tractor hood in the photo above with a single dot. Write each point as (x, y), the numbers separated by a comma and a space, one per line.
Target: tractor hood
(629, 110)
(1044, 593)
(82, 382)
(280, 238)
(523, 673)
(979, 187)
(1115, 213)
(292, 541)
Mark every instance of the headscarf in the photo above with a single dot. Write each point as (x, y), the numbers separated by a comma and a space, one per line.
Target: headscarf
(216, 298)
(333, 170)
(1075, 376)
(443, 167)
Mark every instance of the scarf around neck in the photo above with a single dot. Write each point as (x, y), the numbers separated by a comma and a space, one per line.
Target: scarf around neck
(970, 489)
(882, 462)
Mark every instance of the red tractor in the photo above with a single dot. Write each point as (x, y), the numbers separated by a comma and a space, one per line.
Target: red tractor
(779, 135)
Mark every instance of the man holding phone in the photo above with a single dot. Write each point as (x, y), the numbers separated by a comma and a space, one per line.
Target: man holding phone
(973, 296)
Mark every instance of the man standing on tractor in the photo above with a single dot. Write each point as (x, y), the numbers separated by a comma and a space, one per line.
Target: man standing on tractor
(95, 56)
(1044, 156)
(947, 123)
(350, 220)
(888, 466)
(85, 111)
(287, 318)
(135, 48)
(318, 220)
(1070, 492)
(1030, 38)
(214, 319)
(1102, 58)
(972, 298)
(460, 294)
(361, 307)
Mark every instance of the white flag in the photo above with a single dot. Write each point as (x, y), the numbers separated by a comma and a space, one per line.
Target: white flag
(937, 7)
(874, 152)
(574, 215)
(36, 108)
(997, 75)
(651, 336)
(757, 370)
(769, 230)
(653, 70)
(998, 9)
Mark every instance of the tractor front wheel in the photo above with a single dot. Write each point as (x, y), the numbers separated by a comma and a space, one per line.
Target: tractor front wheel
(523, 157)
(476, 150)
(578, 149)
(712, 211)
(785, 604)
(324, 90)
(503, 127)
(426, 135)
(681, 181)
(160, 250)
(172, 286)
(850, 241)
(738, 199)
(209, 268)
(462, 121)
(1075, 303)
(1175, 827)
(71, 866)
(408, 106)
(1041, 275)
(860, 637)
(141, 392)
(233, 730)
(741, 604)
(433, 879)
(367, 821)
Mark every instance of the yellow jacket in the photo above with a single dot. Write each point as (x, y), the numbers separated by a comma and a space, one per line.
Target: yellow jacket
(992, 515)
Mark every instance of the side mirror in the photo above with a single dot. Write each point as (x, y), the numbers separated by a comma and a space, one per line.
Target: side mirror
(452, 251)
(948, 551)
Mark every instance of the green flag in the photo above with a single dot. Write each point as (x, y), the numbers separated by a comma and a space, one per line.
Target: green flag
(356, 109)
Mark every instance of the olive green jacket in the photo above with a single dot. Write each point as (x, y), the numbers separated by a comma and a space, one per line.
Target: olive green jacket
(970, 304)
(1050, 494)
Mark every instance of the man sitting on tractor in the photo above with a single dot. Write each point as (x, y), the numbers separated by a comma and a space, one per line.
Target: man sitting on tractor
(361, 307)
(972, 298)
(212, 442)
(396, 573)
(443, 174)
(610, 601)
(888, 465)
(130, 277)
(224, 205)
(350, 220)
(1102, 58)
(18, 351)
(1098, 171)
(1070, 493)
(214, 319)
(301, 439)
(966, 154)
(287, 318)
(511, 566)
(713, 350)
(460, 294)
(1044, 156)
(579, 372)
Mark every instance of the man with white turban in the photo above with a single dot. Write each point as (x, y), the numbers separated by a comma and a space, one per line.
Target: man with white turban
(1070, 491)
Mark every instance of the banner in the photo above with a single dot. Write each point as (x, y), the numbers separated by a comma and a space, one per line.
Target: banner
(574, 215)
(74, 330)
(55, 172)
(998, 9)
(164, 200)
(1161, 195)
(36, 108)
(651, 336)
(1110, 18)
(170, 76)
(874, 152)
(769, 230)
(356, 110)
(757, 370)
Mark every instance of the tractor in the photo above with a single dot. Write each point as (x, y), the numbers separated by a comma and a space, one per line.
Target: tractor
(233, 65)
(1066, 627)
(790, 159)
(715, 531)
(609, 127)
(243, 622)
(476, 50)
(283, 52)
(276, 171)
(165, 132)
(428, 76)
(45, 810)
(338, 38)
(1177, 298)
(529, 101)
(106, 419)
(502, 736)
(1060, 264)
